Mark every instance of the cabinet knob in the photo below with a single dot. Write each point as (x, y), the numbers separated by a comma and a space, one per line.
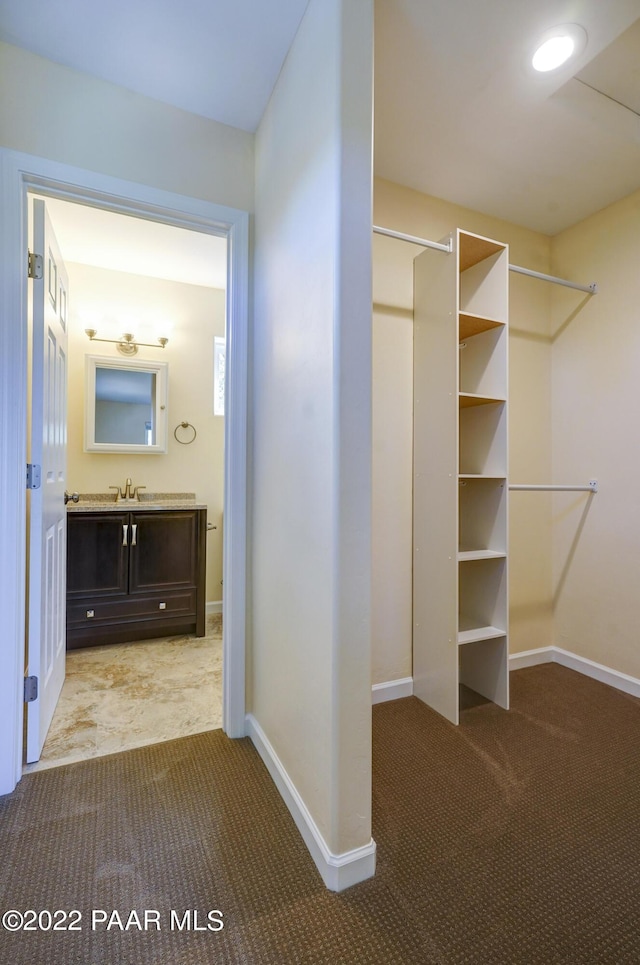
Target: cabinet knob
(90, 614)
(162, 606)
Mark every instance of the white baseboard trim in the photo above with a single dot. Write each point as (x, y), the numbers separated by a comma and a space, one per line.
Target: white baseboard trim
(338, 871)
(214, 607)
(392, 690)
(530, 658)
(597, 671)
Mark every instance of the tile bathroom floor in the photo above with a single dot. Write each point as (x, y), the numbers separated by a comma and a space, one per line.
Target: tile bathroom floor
(126, 695)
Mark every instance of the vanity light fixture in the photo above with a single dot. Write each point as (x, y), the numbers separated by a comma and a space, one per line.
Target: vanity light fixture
(127, 345)
(557, 45)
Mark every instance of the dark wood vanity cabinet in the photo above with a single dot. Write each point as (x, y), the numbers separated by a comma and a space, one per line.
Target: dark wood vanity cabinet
(135, 575)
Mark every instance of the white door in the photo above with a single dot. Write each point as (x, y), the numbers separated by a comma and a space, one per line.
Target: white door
(47, 519)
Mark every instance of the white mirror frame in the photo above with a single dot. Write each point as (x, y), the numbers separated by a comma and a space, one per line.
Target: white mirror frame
(160, 370)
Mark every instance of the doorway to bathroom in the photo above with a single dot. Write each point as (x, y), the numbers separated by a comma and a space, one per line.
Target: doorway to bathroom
(22, 173)
(164, 288)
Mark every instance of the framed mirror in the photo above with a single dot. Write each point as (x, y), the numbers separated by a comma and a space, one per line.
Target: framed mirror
(125, 405)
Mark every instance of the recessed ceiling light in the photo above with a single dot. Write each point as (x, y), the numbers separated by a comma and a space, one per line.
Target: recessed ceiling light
(557, 45)
(553, 53)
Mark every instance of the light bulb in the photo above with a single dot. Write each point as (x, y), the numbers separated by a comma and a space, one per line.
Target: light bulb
(553, 53)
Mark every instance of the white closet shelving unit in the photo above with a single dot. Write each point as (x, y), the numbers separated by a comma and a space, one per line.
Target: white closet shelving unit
(460, 568)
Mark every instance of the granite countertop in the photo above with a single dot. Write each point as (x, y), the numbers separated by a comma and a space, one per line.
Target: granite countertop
(147, 502)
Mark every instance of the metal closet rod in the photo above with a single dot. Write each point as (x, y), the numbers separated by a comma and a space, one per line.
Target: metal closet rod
(591, 488)
(591, 289)
(413, 240)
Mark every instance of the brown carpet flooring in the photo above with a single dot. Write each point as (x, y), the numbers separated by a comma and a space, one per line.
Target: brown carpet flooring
(513, 839)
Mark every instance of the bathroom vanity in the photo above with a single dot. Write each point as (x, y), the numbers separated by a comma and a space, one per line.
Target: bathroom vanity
(135, 570)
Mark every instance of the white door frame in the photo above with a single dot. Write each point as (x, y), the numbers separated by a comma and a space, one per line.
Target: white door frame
(18, 174)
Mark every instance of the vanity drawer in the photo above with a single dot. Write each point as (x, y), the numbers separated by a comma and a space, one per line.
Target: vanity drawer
(157, 606)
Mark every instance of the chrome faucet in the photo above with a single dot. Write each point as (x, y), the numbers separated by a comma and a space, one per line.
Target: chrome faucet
(129, 494)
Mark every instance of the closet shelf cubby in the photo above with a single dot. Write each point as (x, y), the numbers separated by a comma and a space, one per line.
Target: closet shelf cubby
(474, 634)
(470, 398)
(471, 325)
(464, 555)
(472, 249)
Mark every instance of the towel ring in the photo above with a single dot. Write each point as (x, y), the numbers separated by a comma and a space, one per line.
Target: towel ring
(184, 425)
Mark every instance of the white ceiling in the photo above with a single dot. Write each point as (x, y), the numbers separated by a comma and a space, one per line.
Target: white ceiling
(460, 115)
(91, 236)
(457, 112)
(217, 58)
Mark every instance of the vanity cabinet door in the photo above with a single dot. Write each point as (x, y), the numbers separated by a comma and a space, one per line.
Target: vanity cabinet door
(97, 554)
(164, 550)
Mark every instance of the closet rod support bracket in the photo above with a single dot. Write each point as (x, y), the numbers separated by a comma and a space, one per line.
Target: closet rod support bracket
(593, 485)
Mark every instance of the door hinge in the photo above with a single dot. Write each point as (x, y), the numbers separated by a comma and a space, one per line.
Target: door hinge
(35, 266)
(33, 475)
(30, 689)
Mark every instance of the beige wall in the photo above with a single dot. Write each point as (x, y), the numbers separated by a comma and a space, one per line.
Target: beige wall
(408, 211)
(310, 551)
(190, 316)
(54, 112)
(596, 351)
